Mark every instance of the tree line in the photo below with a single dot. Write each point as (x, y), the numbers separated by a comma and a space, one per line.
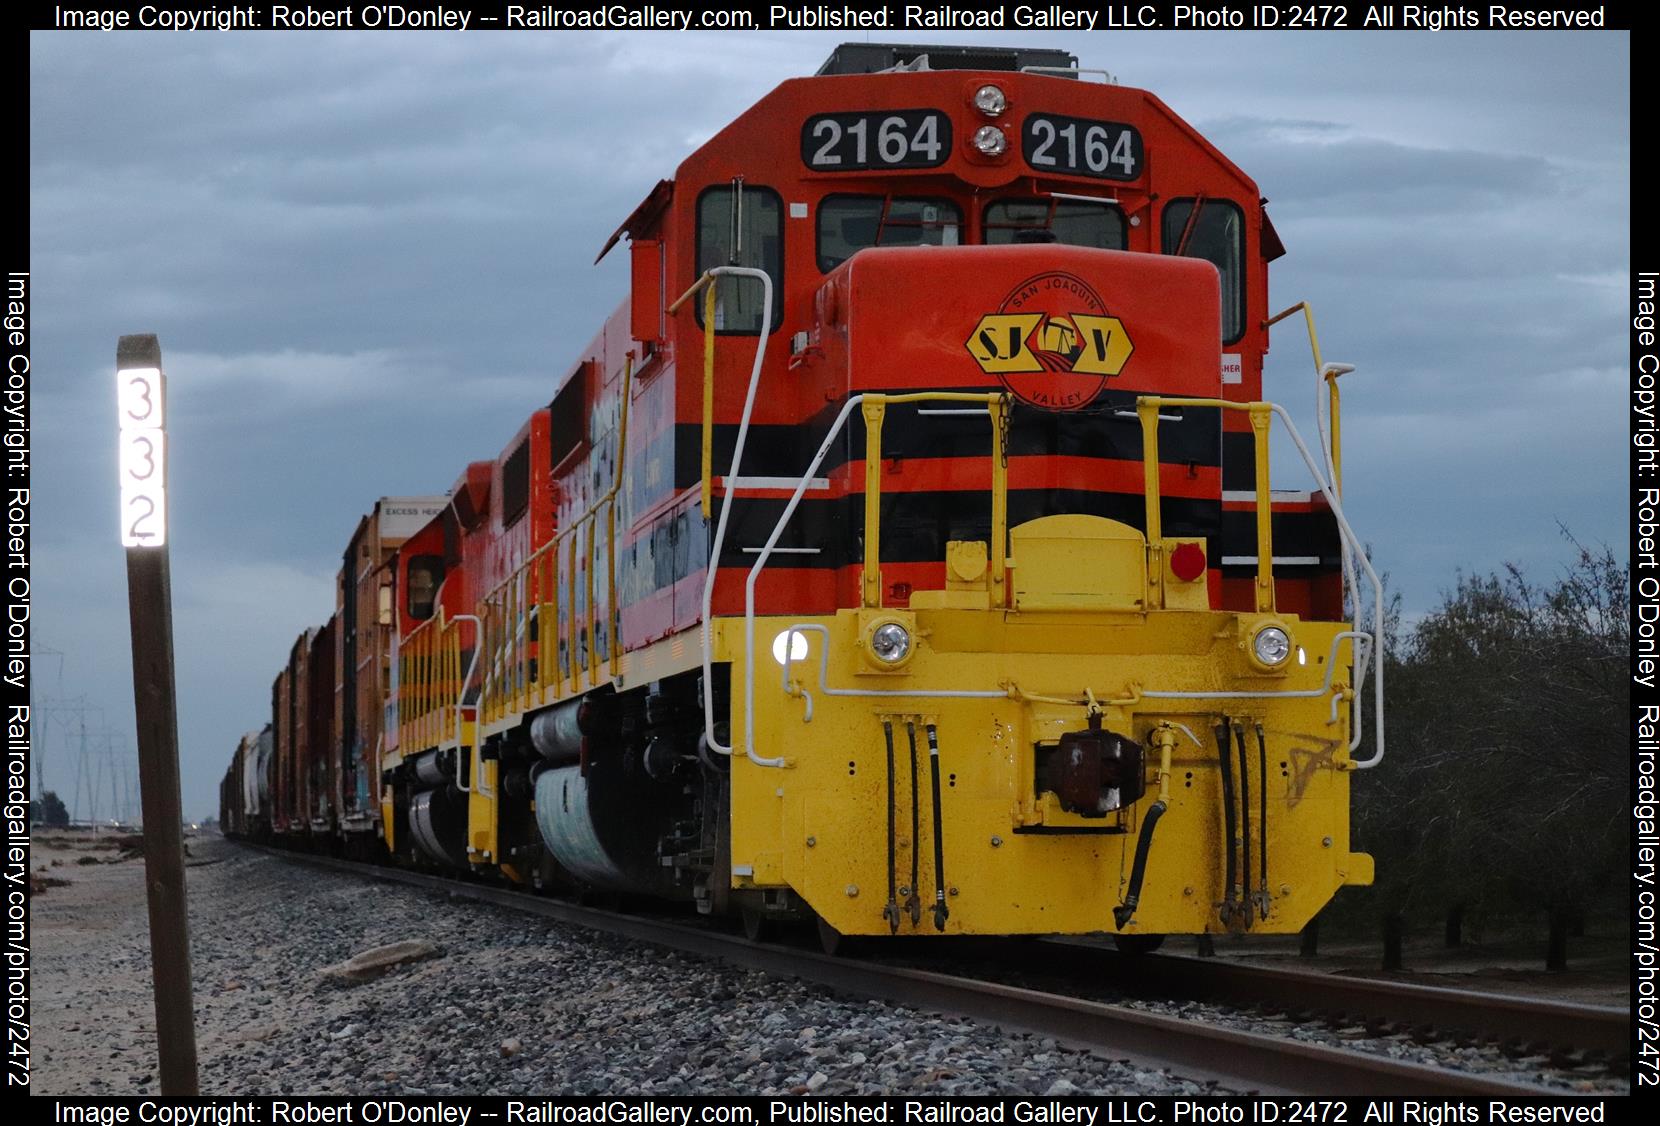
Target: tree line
(1505, 790)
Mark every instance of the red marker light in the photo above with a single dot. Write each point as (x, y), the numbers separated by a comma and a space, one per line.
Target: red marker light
(1187, 562)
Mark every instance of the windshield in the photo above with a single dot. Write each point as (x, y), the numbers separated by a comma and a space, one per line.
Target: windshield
(1069, 221)
(849, 223)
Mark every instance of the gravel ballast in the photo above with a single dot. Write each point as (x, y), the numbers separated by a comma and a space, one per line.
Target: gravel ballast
(510, 1004)
(316, 982)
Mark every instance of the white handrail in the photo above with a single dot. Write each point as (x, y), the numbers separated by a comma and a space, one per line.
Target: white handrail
(1363, 653)
(1362, 657)
(755, 573)
(715, 744)
(1349, 542)
(1353, 543)
(1374, 638)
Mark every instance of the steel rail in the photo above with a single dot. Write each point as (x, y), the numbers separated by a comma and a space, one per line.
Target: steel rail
(1244, 1060)
(1505, 1018)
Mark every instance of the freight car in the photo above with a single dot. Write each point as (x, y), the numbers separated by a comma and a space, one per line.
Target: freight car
(901, 554)
(245, 793)
(310, 778)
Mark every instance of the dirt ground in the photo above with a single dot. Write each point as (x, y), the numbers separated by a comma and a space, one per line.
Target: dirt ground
(85, 976)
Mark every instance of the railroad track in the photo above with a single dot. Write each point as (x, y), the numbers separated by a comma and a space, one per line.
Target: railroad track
(1524, 1024)
(1248, 1061)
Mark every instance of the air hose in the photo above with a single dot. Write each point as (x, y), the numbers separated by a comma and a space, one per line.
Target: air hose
(1138, 871)
(1165, 739)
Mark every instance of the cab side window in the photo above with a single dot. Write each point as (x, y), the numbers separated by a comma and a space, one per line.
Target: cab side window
(741, 226)
(426, 574)
(1212, 229)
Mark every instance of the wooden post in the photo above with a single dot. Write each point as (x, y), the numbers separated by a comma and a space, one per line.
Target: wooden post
(142, 402)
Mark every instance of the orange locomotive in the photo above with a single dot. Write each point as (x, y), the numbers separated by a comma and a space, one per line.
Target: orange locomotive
(931, 432)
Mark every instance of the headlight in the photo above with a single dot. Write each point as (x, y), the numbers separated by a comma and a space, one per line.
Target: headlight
(790, 645)
(990, 141)
(990, 100)
(1271, 645)
(891, 642)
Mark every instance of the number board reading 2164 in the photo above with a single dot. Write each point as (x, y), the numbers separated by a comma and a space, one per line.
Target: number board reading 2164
(1077, 146)
(852, 142)
(921, 138)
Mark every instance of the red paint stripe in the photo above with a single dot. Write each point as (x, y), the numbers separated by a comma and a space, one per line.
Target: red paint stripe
(1281, 507)
(962, 475)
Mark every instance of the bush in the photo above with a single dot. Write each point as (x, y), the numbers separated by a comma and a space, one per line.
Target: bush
(1508, 768)
(49, 811)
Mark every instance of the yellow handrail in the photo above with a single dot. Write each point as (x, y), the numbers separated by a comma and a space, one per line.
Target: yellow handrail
(708, 398)
(705, 283)
(1260, 419)
(509, 600)
(870, 576)
(570, 609)
(874, 406)
(1147, 410)
(412, 682)
(612, 652)
(1330, 378)
(429, 682)
(588, 597)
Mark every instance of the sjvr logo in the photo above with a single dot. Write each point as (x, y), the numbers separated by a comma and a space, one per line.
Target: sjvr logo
(1051, 342)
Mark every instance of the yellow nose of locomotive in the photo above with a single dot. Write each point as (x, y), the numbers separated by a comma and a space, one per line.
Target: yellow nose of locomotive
(968, 765)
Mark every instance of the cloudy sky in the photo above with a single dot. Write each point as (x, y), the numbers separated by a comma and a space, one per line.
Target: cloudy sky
(368, 256)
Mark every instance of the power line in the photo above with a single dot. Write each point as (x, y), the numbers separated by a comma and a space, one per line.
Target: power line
(71, 729)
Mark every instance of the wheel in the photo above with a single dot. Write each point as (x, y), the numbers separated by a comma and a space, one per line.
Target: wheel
(1135, 945)
(832, 941)
(757, 927)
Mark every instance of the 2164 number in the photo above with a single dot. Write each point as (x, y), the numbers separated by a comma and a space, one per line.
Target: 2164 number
(852, 142)
(1106, 150)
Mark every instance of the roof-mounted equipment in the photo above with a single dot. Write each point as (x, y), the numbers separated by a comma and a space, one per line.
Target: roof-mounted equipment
(874, 58)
